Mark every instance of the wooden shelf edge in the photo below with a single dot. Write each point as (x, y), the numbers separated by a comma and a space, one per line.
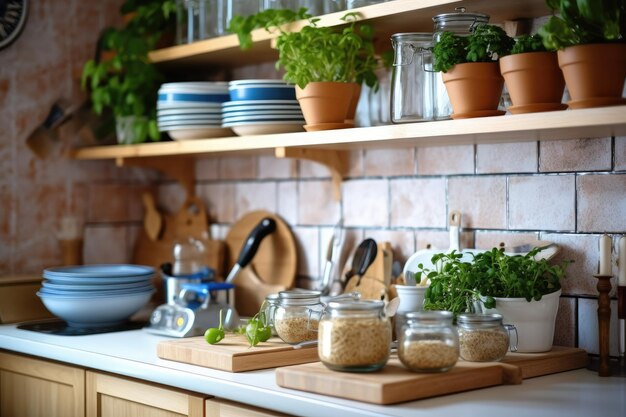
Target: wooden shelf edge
(530, 127)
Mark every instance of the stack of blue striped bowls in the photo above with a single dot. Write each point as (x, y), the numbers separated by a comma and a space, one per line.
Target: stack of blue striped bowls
(192, 110)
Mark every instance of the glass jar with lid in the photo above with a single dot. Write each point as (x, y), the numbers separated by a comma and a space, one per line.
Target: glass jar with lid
(296, 317)
(412, 79)
(483, 337)
(460, 23)
(428, 342)
(271, 302)
(354, 336)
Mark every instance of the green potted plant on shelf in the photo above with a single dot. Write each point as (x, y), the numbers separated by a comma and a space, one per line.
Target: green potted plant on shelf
(125, 82)
(327, 65)
(525, 289)
(532, 76)
(471, 72)
(589, 37)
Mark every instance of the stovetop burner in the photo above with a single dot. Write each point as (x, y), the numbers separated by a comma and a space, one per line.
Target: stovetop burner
(61, 328)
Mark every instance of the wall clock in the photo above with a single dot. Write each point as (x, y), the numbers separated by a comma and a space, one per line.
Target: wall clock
(13, 15)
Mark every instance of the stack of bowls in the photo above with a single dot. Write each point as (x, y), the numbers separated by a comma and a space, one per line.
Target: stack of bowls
(260, 107)
(192, 110)
(93, 296)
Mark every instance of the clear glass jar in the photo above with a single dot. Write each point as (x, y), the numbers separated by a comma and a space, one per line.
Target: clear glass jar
(240, 8)
(354, 336)
(296, 317)
(412, 80)
(271, 302)
(196, 20)
(460, 23)
(483, 337)
(428, 342)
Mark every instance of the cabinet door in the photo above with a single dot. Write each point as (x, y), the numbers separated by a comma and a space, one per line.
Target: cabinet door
(222, 408)
(35, 388)
(110, 396)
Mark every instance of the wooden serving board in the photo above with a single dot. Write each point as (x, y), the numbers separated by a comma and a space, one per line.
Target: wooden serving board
(394, 383)
(233, 354)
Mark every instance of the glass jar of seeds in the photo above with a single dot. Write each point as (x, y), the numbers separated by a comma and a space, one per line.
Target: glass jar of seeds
(483, 337)
(354, 336)
(296, 317)
(428, 342)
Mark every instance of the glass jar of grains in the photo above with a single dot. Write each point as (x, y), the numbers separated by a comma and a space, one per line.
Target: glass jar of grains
(271, 301)
(296, 317)
(428, 342)
(354, 336)
(483, 337)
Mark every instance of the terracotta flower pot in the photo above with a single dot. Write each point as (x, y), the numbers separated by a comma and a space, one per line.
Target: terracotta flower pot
(594, 74)
(534, 80)
(325, 105)
(474, 89)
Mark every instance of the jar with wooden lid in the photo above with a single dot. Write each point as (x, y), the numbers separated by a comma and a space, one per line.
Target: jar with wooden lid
(354, 336)
(296, 317)
(483, 337)
(428, 342)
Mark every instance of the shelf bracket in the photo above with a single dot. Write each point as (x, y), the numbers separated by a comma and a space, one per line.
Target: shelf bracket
(180, 169)
(336, 161)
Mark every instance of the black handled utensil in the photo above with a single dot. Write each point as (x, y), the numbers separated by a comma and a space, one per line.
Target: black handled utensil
(363, 257)
(265, 227)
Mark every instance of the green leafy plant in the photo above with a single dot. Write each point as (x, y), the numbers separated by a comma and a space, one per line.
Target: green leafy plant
(485, 44)
(316, 53)
(584, 22)
(528, 43)
(457, 285)
(127, 83)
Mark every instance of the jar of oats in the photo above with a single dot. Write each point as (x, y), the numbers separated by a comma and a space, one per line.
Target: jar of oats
(483, 337)
(428, 342)
(296, 317)
(354, 336)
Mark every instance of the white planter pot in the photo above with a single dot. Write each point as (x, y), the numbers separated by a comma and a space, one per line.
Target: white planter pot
(534, 320)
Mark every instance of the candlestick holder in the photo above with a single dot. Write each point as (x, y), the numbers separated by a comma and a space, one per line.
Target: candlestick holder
(603, 364)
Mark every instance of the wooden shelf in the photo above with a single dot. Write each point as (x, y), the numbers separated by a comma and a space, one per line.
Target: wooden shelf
(388, 18)
(567, 124)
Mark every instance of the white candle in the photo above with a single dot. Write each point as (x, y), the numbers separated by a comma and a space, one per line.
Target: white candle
(605, 255)
(622, 261)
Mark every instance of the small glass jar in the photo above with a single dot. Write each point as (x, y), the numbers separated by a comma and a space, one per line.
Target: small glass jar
(296, 317)
(271, 302)
(483, 337)
(354, 336)
(428, 342)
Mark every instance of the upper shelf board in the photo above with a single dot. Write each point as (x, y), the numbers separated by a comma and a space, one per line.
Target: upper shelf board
(387, 18)
(568, 124)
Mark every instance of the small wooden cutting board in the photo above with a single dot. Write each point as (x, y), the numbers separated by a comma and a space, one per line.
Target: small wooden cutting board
(233, 354)
(394, 383)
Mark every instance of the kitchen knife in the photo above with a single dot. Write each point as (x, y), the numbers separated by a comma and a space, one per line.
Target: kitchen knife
(251, 245)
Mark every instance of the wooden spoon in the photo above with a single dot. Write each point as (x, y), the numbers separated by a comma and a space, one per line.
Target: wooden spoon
(152, 221)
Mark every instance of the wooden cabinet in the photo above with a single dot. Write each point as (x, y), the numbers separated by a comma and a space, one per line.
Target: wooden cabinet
(112, 396)
(222, 408)
(36, 388)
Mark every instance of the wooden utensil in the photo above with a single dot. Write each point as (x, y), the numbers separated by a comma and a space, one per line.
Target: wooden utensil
(233, 354)
(152, 221)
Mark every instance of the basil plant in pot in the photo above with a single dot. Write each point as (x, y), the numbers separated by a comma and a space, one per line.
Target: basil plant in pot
(525, 289)
(327, 64)
(590, 39)
(532, 76)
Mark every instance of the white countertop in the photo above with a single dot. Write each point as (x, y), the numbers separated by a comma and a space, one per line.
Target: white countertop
(133, 354)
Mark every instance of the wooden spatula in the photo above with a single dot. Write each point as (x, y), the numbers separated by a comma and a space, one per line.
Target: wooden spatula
(152, 221)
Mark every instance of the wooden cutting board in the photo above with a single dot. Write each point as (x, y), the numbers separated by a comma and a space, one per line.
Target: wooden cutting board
(394, 383)
(233, 354)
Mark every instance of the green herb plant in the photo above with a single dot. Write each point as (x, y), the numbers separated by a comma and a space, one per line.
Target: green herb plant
(457, 285)
(583, 22)
(215, 335)
(485, 44)
(528, 43)
(257, 329)
(127, 84)
(316, 53)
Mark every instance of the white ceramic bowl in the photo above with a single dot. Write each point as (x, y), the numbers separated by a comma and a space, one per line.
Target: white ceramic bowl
(102, 311)
(198, 132)
(266, 128)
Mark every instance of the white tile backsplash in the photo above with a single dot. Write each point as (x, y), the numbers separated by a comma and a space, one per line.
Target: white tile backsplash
(588, 326)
